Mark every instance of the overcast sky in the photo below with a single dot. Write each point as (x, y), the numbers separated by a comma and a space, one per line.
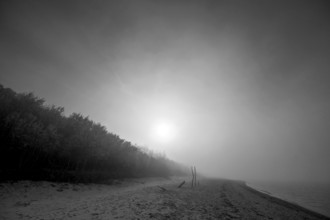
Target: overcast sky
(245, 85)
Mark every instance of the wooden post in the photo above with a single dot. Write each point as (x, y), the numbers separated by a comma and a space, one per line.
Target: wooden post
(195, 176)
(192, 180)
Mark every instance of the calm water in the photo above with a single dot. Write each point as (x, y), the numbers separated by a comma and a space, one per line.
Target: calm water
(314, 196)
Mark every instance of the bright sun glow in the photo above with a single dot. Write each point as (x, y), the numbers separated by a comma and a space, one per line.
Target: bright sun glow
(163, 131)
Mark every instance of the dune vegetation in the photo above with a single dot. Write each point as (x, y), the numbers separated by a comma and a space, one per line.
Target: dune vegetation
(39, 142)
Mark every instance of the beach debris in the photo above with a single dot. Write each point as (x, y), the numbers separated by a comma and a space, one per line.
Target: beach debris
(181, 184)
(24, 204)
(162, 188)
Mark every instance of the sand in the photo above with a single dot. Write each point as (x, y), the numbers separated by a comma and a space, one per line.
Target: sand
(150, 198)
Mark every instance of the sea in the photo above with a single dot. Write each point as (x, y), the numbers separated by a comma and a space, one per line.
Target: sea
(313, 196)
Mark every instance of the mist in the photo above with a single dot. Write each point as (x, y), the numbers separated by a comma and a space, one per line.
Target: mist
(245, 84)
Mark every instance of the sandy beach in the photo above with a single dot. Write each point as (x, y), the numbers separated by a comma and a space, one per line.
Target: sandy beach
(148, 198)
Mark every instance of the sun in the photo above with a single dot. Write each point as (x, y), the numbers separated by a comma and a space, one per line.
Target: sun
(164, 131)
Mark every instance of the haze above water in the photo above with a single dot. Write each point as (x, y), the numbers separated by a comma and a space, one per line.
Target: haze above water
(240, 89)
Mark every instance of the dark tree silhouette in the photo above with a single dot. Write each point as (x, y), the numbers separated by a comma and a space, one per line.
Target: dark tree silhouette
(39, 142)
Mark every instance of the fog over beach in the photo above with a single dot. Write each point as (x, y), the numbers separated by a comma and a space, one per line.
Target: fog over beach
(238, 89)
(245, 83)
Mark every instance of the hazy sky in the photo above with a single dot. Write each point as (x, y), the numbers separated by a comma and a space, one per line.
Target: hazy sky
(243, 86)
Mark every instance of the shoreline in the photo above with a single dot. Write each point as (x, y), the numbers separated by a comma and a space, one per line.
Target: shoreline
(284, 202)
(147, 198)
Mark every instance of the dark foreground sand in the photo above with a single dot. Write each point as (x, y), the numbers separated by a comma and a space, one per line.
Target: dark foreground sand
(143, 199)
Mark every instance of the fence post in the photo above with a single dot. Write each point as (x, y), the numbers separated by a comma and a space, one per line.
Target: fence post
(192, 180)
(195, 175)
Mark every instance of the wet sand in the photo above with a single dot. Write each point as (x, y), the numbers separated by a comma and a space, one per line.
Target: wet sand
(153, 198)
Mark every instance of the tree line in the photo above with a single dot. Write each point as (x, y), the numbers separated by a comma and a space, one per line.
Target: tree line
(38, 141)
